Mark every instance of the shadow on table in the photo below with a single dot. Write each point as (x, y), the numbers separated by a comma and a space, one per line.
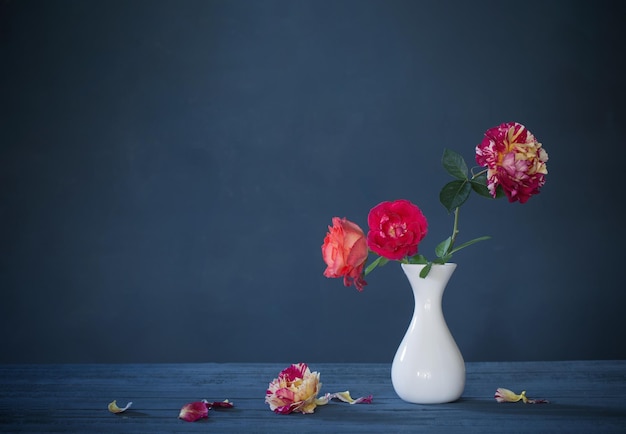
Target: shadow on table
(553, 408)
(132, 414)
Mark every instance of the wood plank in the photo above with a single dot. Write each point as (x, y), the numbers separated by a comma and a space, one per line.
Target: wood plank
(586, 396)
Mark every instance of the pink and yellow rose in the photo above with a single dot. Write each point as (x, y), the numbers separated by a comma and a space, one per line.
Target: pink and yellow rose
(395, 229)
(295, 390)
(515, 160)
(345, 252)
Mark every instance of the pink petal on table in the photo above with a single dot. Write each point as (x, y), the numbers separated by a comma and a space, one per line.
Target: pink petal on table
(194, 411)
(220, 404)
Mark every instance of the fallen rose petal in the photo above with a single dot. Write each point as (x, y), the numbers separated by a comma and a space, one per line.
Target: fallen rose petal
(113, 408)
(345, 397)
(220, 404)
(194, 411)
(535, 401)
(506, 395)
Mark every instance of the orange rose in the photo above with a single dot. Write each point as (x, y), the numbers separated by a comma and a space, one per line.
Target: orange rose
(345, 252)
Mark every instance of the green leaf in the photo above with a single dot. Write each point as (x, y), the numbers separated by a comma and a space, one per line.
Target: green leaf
(442, 260)
(479, 185)
(426, 270)
(454, 164)
(469, 243)
(442, 248)
(380, 261)
(418, 259)
(454, 194)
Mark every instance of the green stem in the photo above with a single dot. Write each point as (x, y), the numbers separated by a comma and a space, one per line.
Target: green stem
(455, 230)
(479, 173)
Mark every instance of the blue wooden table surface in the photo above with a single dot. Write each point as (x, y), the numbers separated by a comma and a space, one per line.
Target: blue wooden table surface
(585, 397)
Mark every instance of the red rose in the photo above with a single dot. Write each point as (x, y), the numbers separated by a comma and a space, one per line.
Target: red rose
(396, 228)
(345, 252)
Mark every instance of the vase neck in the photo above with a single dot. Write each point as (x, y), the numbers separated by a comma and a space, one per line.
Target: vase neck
(428, 291)
(439, 274)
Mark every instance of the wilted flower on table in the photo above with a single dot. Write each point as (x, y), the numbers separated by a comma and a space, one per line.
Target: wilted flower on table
(395, 229)
(514, 159)
(345, 252)
(295, 389)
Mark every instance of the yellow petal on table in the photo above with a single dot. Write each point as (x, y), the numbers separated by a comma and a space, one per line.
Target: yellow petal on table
(345, 397)
(506, 395)
(113, 408)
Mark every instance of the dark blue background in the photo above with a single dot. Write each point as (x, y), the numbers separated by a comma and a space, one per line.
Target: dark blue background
(168, 171)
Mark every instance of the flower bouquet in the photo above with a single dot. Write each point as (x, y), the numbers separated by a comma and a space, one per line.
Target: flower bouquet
(512, 164)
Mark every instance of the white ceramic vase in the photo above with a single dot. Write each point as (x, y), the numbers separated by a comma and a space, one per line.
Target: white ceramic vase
(428, 367)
